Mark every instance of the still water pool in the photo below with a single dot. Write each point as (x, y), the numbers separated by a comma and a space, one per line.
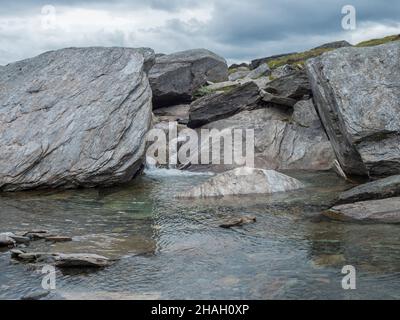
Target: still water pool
(174, 249)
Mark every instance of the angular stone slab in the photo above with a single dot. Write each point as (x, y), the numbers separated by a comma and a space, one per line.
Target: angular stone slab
(384, 211)
(357, 93)
(379, 189)
(75, 117)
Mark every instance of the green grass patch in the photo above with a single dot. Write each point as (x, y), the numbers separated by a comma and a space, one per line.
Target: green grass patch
(231, 71)
(302, 57)
(205, 91)
(297, 58)
(376, 42)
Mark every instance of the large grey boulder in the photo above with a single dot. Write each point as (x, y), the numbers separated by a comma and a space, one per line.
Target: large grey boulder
(379, 189)
(223, 104)
(357, 93)
(75, 117)
(244, 181)
(175, 77)
(381, 211)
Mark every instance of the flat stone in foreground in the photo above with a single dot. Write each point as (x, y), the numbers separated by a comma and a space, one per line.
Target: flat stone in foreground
(6, 240)
(81, 260)
(175, 77)
(61, 260)
(384, 211)
(379, 189)
(75, 117)
(244, 181)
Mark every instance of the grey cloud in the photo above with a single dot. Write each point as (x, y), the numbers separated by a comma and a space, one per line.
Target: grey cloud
(262, 20)
(28, 6)
(238, 29)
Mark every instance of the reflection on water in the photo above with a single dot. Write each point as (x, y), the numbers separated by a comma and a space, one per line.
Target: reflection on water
(173, 248)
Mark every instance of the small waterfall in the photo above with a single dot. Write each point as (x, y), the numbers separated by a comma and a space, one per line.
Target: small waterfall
(151, 169)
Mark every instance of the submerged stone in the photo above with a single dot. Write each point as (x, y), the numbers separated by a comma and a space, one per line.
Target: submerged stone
(244, 181)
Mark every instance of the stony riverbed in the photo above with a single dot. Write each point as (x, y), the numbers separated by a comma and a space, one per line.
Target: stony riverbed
(170, 248)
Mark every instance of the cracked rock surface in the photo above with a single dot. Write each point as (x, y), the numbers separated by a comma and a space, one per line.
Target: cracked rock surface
(74, 117)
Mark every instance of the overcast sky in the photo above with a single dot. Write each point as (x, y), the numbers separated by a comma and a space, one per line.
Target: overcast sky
(239, 30)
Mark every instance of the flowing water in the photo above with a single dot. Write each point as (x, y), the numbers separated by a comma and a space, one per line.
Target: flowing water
(174, 249)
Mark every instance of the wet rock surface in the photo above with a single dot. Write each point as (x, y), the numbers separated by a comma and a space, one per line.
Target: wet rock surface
(379, 189)
(244, 181)
(61, 260)
(6, 240)
(237, 222)
(222, 105)
(378, 211)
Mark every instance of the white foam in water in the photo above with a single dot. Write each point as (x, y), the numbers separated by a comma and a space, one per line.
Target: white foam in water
(152, 170)
(161, 172)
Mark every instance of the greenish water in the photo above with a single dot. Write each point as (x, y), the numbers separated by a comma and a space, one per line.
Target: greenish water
(173, 249)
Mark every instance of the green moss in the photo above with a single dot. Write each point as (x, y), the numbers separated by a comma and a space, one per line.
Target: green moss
(204, 91)
(302, 57)
(228, 88)
(376, 42)
(297, 58)
(231, 71)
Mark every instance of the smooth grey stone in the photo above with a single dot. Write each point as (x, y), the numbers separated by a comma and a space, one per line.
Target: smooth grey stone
(75, 117)
(176, 77)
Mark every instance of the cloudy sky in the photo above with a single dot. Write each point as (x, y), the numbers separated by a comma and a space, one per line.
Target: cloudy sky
(239, 30)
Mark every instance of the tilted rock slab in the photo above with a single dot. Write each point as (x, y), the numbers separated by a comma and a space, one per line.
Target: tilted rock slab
(62, 260)
(357, 91)
(75, 117)
(222, 105)
(379, 189)
(385, 211)
(175, 77)
(244, 181)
